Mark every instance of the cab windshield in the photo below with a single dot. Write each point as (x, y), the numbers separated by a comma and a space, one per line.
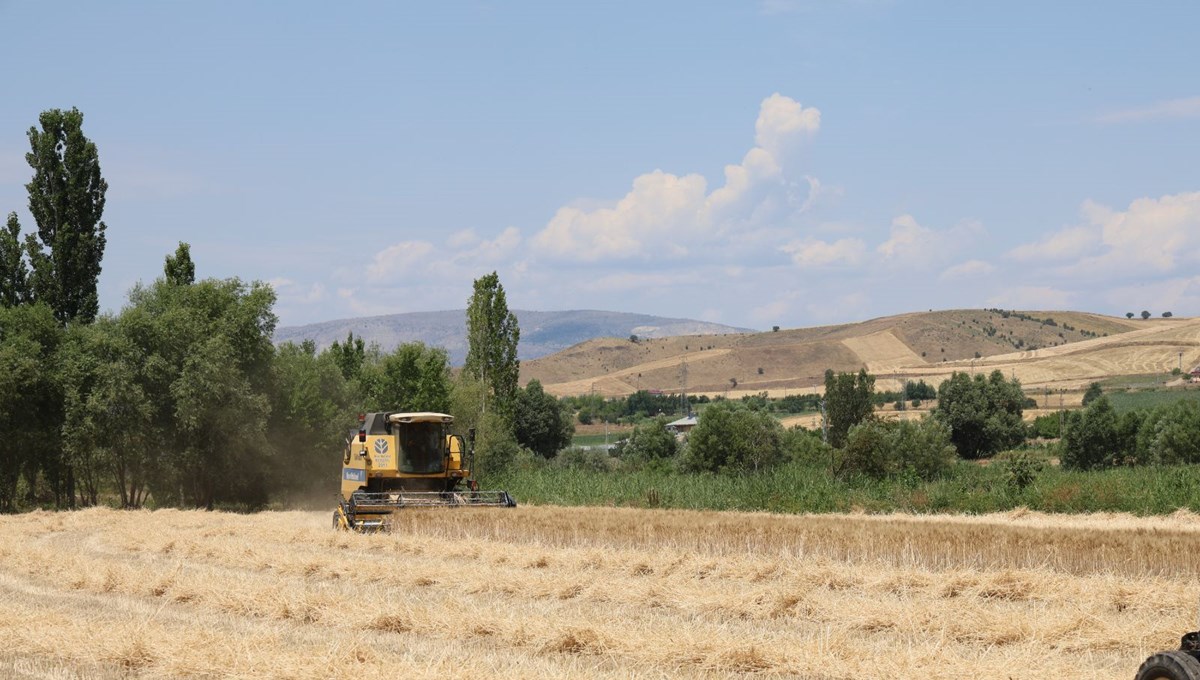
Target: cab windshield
(422, 448)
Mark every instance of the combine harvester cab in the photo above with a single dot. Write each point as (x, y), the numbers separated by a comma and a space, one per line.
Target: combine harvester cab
(407, 460)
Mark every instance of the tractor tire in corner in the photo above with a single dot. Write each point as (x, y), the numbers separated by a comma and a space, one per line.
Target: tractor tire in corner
(1175, 665)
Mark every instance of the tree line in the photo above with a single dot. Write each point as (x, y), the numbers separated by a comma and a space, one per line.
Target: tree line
(976, 417)
(181, 398)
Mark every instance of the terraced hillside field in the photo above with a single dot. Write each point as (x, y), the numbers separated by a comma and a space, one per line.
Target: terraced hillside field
(545, 592)
(1045, 350)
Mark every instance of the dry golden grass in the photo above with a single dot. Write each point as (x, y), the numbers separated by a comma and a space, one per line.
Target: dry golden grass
(591, 593)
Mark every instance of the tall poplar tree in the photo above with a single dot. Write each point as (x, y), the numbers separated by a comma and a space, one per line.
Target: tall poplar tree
(179, 268)
(492, 336)
(66, 198)
(14, 275)
(848, 402)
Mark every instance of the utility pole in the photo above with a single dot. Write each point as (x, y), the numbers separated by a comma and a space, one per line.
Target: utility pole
(825, 438)
(1060, 411)
(683, 377)
(824, 424)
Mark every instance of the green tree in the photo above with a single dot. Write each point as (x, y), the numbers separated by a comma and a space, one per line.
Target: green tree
(14, 274)
(310, 416)
(649, 441)
(1145, 315)
(983, 413)
(208, 355)
(540, 423)
(848, 402)
(179, 268)
(349, 356)
(495, 446)
(728, 438)
(882, 449)
(492, 337)
(66, 198)
(414, 377)
(1094, 392)
(1090, 437)
(108, 430)
(30, 406)
(1128, 427)
(1170, 434)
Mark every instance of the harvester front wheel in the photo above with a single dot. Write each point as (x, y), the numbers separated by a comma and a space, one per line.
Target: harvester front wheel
(1174, 665)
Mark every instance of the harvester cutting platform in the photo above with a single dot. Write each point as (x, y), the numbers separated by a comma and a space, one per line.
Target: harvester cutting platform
(407, 460)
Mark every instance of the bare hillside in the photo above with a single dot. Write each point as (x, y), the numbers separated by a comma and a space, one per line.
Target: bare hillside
(1043, 349)
(542, 333)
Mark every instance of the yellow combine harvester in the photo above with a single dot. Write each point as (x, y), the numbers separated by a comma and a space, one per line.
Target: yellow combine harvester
(404, 460)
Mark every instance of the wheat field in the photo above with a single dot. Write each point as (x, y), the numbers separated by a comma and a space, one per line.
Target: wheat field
(547, 592)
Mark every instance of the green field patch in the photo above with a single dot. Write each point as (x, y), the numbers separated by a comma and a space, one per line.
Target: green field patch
(1123, 402)
(1141, 381)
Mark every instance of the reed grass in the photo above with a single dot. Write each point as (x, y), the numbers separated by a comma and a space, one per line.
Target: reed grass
(799, 488)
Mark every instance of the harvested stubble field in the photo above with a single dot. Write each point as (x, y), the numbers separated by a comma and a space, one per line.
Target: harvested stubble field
(547, 592)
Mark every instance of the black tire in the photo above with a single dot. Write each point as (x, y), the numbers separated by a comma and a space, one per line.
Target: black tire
(1174, 665)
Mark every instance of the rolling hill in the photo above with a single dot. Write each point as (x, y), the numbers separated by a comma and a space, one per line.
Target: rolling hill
(1045, 350)
(542, 333)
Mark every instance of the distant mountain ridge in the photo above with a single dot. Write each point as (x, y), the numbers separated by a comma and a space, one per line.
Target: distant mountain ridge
(542, 333)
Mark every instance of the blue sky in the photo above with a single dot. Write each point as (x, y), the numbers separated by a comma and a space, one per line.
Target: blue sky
(787, 163)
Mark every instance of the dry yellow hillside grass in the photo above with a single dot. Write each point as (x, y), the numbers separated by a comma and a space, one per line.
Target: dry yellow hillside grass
(543, 592)
(928, 346)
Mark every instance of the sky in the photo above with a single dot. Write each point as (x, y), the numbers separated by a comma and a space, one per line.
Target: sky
(781, 162)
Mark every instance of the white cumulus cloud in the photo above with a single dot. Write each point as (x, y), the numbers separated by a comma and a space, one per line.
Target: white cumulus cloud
(1186, 107)
(664, 214)
(1068, 243)
(817, 253)
(399, 261)
(910, 244)
(486, 251)
(968, 269)
(1032, 297)
(1153, 232)
(781, 122)
(1152, 235)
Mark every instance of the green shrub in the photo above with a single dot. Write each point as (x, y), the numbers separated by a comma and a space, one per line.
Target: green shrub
(586, 459)
(806, 446)
(1090, 437)
(881, 449)
(1170, 434)
(1047, 426)
(649, 441)
(1021, 469)
(984, 413)
(729, 438)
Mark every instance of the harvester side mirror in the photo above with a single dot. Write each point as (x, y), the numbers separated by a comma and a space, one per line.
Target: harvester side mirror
(362, 436)
(471, 435)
